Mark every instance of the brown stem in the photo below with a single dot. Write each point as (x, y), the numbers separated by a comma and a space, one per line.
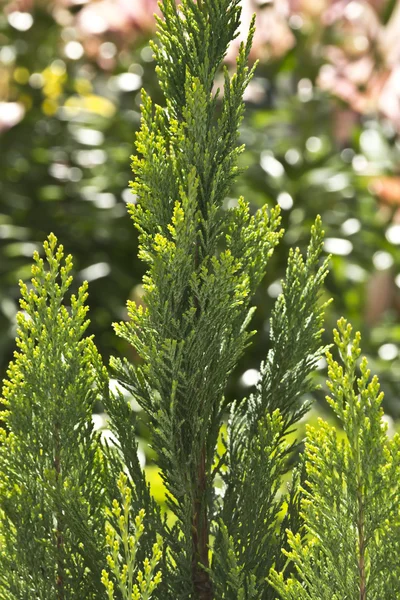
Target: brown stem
(59, 520)
(200, 577)
(361, 545)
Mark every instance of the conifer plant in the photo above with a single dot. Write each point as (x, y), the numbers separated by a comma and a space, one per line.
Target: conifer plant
(78, 520)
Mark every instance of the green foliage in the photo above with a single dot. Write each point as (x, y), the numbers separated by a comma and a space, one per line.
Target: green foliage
(133, 584)
(204, 265)
(125, 455)
(49, 453)
(258, 452)
(351, 493)
(61, 525)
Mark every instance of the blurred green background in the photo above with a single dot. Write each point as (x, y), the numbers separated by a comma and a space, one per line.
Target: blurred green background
(321, 132)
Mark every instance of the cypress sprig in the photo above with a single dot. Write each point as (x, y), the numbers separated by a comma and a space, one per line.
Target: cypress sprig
(351, 495)
(48, 449)
(258, 453)
(133, 583)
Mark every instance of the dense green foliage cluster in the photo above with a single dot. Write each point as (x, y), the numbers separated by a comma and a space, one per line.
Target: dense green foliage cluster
(78, 519)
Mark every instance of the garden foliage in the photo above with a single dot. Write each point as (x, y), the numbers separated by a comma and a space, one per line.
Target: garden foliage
(64, 534)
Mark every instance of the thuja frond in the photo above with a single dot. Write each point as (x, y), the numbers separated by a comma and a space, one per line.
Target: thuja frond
(296, 327)
(351, 495)
(48, 450)
(233, 582)
(257, 451)
(204, 264)
(133, 583)
(124, 455)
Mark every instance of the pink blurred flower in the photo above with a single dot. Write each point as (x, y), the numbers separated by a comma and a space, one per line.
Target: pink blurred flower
(273, 36)
(308, 9)
(361, 65)
(118, 16)
(363, 69)
(18, 6)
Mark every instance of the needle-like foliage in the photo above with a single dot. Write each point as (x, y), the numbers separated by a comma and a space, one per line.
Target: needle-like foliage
(133, 583)
(351, 495)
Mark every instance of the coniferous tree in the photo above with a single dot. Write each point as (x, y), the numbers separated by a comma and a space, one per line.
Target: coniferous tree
(58, 481)
(204, 264)
(351, 495)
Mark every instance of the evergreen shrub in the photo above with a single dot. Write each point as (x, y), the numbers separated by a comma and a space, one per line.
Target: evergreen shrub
(78, 519)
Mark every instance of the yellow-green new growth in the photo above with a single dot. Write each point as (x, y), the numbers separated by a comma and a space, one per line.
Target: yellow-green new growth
(133, 584)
